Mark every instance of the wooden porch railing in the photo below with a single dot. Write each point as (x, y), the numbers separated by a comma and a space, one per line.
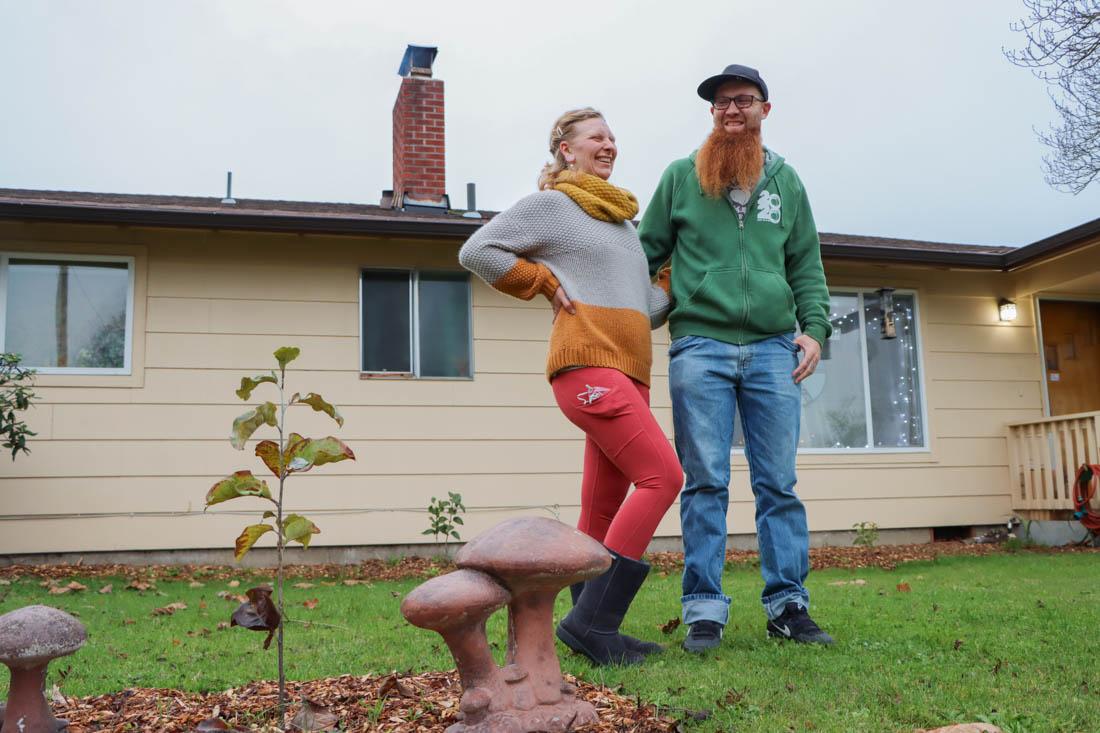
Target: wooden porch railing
(1044, 455)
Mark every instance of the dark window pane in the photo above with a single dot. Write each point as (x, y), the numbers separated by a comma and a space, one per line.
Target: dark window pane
(386, 319)
(893, 371)
(67, 313)
(444, 310)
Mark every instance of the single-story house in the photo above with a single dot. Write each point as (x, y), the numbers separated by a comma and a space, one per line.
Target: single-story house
(141, 314)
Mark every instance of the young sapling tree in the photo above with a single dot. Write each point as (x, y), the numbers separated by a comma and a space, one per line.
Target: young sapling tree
(291, 454)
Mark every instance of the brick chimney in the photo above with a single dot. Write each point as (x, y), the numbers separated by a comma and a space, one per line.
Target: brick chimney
(419, 171)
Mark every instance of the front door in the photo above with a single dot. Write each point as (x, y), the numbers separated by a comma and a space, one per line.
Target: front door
(1071, 350)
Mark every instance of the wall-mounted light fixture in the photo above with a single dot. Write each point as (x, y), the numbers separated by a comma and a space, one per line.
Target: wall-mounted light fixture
(886, 306)
(1006, 309)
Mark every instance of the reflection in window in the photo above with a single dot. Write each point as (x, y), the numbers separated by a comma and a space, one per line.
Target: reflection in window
(865, 393)
(65, 314)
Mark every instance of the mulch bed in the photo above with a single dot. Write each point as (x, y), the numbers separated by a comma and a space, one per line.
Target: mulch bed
(396, 704)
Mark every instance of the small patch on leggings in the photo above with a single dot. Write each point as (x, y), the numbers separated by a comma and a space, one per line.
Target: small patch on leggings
(591, 394)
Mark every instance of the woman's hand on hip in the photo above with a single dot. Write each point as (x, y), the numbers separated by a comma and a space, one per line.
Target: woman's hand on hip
(561, 300)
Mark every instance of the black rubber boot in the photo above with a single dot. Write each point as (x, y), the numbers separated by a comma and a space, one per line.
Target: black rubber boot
(632, 643)
(592, 627)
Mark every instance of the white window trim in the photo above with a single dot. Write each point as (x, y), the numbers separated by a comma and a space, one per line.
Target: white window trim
(127, 363)
(414, 325)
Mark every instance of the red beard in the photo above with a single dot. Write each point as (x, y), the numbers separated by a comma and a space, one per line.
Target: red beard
(726, 159)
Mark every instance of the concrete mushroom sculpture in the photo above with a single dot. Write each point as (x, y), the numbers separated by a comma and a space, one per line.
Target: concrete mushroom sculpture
(535, 558)
(30, 638)
(525, 563)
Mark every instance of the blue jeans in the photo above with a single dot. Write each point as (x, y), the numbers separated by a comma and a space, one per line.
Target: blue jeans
(710, 382)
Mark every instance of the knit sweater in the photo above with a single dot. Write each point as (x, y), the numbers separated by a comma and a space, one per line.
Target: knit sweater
(545, 241)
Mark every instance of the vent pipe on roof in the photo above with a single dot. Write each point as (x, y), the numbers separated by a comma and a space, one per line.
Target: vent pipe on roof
(229, 189)
(471, 202)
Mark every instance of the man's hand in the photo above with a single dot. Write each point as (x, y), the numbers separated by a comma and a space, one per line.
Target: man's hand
(561, 300)
(811, 355)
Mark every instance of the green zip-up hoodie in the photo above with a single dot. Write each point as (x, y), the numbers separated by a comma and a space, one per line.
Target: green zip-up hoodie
(738, 280)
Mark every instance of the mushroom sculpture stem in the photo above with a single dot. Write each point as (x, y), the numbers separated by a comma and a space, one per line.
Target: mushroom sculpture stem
(531, 613)
(27, 710)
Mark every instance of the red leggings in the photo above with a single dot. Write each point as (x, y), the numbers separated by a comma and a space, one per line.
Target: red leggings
(624, 445)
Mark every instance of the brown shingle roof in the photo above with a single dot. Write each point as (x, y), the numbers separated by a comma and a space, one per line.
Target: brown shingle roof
(349, 218)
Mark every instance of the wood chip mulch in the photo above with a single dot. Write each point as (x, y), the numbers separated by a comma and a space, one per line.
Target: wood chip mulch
(394, 703)
(887, 557)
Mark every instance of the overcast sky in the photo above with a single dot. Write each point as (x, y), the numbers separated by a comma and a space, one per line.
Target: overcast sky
(903, 119)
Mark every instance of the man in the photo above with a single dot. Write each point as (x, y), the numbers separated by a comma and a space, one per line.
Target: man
(735, 221)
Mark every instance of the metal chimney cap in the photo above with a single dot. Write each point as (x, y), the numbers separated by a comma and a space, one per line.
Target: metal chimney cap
(417, 61)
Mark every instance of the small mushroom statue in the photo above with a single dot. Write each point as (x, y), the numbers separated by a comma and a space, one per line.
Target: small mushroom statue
(523, 562)
(30, 638)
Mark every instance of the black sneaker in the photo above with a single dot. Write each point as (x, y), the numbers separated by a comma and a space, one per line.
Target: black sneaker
(703, 636)
(795, 624)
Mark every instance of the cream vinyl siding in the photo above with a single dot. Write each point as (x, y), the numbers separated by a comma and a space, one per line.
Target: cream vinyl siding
(127, 467)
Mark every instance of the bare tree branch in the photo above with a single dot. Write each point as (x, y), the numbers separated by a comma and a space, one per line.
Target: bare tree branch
(1063, 49)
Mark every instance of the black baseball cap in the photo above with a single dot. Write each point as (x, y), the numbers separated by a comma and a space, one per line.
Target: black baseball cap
(733, 72)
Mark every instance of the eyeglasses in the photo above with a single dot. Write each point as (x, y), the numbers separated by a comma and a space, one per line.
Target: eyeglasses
(741, 101)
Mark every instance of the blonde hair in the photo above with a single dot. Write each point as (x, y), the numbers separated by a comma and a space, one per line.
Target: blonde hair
(563, 129)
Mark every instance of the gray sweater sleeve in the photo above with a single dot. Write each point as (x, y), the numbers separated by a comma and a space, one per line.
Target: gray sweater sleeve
(495, 250)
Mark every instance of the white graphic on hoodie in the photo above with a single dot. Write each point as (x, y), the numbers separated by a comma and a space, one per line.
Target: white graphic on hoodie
(768, 207)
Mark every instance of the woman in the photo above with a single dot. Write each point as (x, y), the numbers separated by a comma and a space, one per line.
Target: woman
(574, 243)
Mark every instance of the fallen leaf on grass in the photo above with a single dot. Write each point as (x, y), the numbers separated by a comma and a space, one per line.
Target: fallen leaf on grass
(857, 581)
(671, 625)
(196, 584)
(57, 590)
(303, 585)
(139, 585)
(169, 609)
(234, 583)
(355, 581)
(107, 589)
(311, 603)
(958, 644)
(223, 625)
(313, 718)
(904, 587)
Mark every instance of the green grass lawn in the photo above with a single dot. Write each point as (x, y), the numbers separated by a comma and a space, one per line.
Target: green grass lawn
(1012, 639)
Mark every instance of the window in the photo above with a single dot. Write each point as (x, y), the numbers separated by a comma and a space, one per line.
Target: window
(416, 323)
(866, 393)
(67, 314)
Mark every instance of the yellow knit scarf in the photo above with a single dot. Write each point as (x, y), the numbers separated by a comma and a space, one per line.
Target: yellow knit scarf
(597, 197)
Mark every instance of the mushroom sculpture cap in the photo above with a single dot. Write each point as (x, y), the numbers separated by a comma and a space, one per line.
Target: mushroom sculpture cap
(33, 635)
(456, 599)
(535, 552)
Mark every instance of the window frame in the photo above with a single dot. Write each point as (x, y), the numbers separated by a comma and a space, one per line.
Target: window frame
(128, 347)
(919, 341)
(414, 274)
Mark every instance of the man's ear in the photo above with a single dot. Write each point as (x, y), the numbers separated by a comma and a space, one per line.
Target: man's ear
(766, 107)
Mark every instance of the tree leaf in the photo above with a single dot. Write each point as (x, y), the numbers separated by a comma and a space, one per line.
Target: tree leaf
(249, 536)
(306, 453)
(268, 452)
(250, 383)
(241, 483)
(314, 718)
(258, 613)
(297, 528)
(250, 422)
(318, 403)
(286, 354)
